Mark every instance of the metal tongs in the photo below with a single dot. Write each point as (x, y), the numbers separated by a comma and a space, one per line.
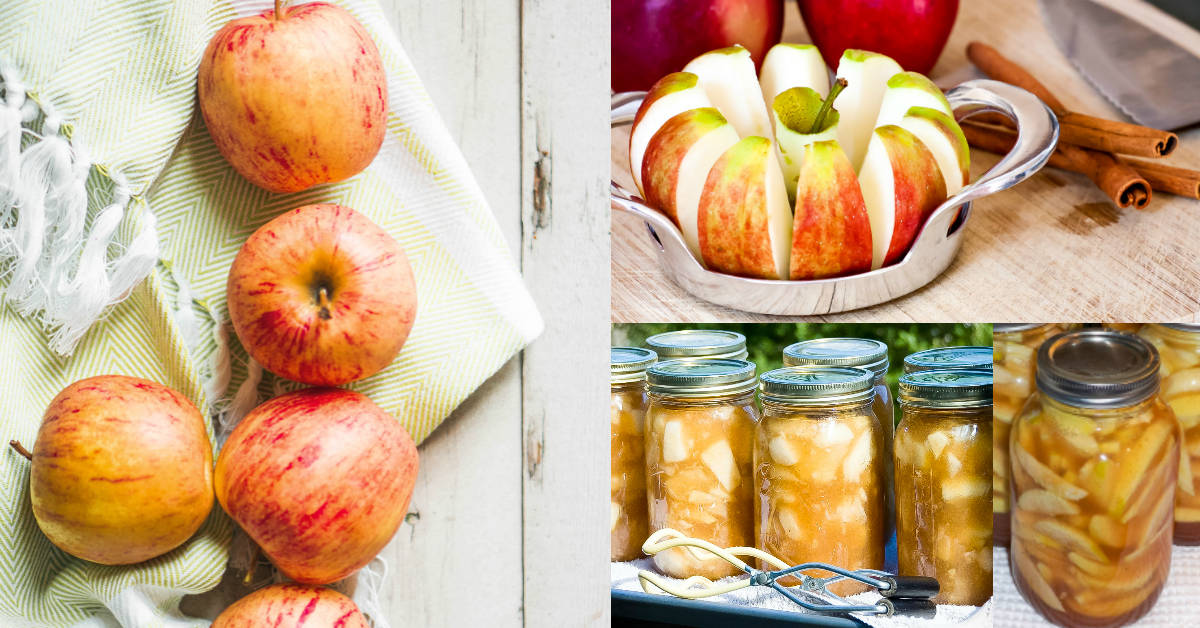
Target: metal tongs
(902, 595)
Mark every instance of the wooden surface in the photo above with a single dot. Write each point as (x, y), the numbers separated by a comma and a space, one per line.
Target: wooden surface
(1052, 248)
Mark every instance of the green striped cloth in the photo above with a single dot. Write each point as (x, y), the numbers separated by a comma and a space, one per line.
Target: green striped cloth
(121, 75)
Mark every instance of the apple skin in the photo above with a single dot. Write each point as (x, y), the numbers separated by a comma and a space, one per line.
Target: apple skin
(122, 470)
(913, 32)
(831, 233)
(320, 478)
(651, 38)
(294, 102)
(275, 303)
(292, 605)
(919, 187)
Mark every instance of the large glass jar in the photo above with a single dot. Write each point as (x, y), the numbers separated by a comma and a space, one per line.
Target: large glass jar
(698, 343)
(627, 409)
(1095, 454)
(699, 459)
(818, 469)
(1179, 354)
(944, 499)
(1015, 348)
(948, 358)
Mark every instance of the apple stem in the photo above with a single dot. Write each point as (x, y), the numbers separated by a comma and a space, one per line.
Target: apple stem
(827, 106)
(323, 302)
(20, 449)
(279, 6)
(253, 568)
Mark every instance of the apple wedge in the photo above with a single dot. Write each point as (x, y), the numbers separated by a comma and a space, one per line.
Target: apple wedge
(866, 75)
(831, 230)
(901, 185)
(905, 91)
(744, 220)
(945, 140)
(796, 111)
(793, 65)
(677, 162)
(672, 95)
(729, 78)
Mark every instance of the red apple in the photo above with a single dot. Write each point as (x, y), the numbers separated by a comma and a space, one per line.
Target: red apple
(651, 38)
(296, 98)
(320, 478)
(292, 605)
(913, 32)
(321, 295)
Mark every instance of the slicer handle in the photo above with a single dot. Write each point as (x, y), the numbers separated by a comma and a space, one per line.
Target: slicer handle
(911, 586)
(910, 607)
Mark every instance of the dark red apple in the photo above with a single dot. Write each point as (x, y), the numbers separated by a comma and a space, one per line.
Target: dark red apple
(652, 38)
(913, 32)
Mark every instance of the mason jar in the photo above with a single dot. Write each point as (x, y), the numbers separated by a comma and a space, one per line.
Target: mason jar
(627, 409)
(1178, 346)
(1095, 456)
(818, 469)
(698, 343)
(944, 498)
(1015, 347)
(948, 358)
(699, 459)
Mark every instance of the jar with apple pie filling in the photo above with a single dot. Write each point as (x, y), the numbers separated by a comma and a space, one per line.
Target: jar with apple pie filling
(699, 459)
(698, 343)
(948, 358)
(818, 471)
(627, 410)
(1014, 346)
(943, 495)
(1095, 454)
(1178, 346)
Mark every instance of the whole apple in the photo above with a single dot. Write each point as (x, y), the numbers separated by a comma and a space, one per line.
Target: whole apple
(122, 470)
(320, 478)
(294, 97)
(913, 32)
(292, 605)
(652, 38)
(321, 295)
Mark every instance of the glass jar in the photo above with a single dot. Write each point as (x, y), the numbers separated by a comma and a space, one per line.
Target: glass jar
(1179, 354)
(698, 343)
(948, 358)
(944, 499)
(627, 410)
(699, 459)
(1015, 348)
(818, 469)
(1095, 454)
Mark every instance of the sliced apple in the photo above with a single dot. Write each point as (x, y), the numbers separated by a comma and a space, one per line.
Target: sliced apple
(729, 79)
(901, 185)
(676, 165)
(744, 220)
(831, 230)
(793, 65)
(672, 95)
(945, 140)
(795, 111)
(866, 75)
(905, 91)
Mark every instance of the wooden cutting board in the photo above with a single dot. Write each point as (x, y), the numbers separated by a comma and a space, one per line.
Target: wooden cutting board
(1052, 248)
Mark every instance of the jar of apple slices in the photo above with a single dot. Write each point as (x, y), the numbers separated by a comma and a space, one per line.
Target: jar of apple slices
(818, 469)
(1014, 347)
(948, 358)
(627, 409)
(1095, 454)
(943, 497)
(698, 343)
(699, 456)
(1178, 348)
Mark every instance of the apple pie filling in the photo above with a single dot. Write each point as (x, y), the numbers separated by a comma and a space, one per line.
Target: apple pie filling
(627, 409)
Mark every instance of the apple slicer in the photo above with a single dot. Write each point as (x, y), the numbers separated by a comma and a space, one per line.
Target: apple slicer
(902, 595)
(931, 252)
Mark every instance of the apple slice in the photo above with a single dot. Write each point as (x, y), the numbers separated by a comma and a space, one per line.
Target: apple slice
(745, 222)
(945, 140)
(729, 79)
(672, 95)
(793, 65)
(901, 185)
(905, 91)
(676, 165)
(866, 75)
(831, 231)
(796, 111)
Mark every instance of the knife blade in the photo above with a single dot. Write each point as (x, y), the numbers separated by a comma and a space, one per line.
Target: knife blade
(1149, 76)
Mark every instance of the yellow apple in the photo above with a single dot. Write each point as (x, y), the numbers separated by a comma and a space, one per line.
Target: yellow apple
(292, 605)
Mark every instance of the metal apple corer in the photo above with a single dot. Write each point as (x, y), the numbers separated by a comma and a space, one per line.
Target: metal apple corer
(902, 595)
(931, 252)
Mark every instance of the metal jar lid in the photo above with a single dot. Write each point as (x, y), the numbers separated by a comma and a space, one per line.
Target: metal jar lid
(701, 378)
(947, 388)
(629, 364)
(861, 352)
(1097, 368)
(949, 358)
(698, 343)
(1012, 328)
(817, 385)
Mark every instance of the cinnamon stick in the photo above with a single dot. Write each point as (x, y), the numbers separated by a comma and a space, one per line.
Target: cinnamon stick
(1109, 136)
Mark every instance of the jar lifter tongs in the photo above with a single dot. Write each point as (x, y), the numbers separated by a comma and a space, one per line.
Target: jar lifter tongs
(902, 595)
